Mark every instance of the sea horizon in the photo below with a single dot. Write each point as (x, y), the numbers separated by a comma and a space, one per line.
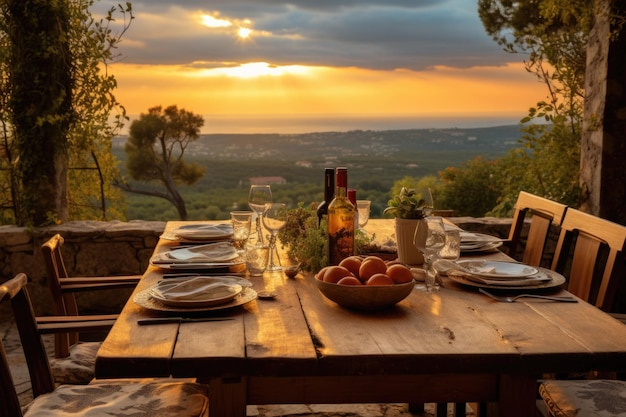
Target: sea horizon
(246, 124)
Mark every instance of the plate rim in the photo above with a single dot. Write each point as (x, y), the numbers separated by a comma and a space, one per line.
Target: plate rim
(557, 280)
(196, 303)
(531, 269)
(144, 299)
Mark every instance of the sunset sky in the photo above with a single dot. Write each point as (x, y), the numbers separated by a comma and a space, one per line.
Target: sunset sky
(285, 66)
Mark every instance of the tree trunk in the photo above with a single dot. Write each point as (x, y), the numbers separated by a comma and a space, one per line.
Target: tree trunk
(41, 96)
(603, 146)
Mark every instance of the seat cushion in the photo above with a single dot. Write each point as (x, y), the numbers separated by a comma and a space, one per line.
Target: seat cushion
(132, 398)
(79, 367)
(584, 398)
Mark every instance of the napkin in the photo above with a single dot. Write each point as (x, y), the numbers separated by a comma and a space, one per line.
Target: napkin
(217, 252)
(198, 288)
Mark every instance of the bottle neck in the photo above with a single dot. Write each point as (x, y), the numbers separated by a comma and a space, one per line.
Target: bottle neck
(342, 183)
(329, 184)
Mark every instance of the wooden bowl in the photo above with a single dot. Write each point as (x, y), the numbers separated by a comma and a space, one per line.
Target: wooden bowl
(365, 297)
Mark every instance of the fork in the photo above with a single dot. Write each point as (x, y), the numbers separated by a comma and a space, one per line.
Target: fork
(543, 297)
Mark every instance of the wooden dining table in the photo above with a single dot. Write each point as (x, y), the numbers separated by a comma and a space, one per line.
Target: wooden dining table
(451, 345)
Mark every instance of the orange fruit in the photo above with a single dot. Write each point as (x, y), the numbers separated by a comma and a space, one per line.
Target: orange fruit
(320, 275)
(379, 279)
(352, 263)
(349, 281)
(399, 274)
(370, 266)
(335, 273)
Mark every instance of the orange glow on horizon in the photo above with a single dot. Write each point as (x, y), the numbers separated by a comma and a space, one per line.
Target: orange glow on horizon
(263, 89)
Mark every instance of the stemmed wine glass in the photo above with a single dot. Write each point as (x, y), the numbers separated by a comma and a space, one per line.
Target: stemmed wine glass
(427, 201)
(259, 196)
(430, 238)
(274, 219)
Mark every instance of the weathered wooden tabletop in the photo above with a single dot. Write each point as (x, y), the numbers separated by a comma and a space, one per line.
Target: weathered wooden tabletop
(447, 346)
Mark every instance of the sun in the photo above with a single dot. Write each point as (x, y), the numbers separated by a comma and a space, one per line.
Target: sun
(244, 33)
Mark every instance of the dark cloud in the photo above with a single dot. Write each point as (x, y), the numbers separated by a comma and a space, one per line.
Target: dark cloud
(382, 34)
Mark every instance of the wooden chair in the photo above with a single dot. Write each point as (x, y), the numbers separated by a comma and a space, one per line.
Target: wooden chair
(111, 398)
(544, 213)
(590, 253)
(74, 362)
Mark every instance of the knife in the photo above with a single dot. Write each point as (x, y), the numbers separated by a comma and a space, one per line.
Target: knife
(163, 320)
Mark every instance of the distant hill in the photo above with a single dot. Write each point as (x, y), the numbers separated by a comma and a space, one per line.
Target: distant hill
(488, 142)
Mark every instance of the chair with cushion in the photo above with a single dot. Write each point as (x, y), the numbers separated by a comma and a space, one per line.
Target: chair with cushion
(590, 253)
(543, 214)
(74, 360)
(98, 398)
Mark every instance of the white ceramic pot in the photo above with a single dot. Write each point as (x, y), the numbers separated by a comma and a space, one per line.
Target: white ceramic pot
(405, 230)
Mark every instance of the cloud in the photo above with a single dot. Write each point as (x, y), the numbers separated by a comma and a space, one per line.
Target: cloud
(382, 35)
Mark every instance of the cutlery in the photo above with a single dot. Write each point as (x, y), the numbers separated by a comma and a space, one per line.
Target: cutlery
(163, 320)
(543, 297)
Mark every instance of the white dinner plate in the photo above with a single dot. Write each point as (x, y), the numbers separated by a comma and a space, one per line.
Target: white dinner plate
(214, 252)
(200, 232)
(195, 292)
(497, 269)
(144, 299)
(555, 281)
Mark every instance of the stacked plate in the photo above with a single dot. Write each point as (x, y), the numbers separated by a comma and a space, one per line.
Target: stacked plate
(200, 232)
(196, 293)
(504, 275)
(221, 255)
(478, 242)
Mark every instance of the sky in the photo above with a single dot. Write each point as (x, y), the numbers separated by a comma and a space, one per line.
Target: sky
(302, 65)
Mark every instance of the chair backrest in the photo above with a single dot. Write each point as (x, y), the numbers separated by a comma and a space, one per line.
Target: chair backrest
(32, 344)
(545, 213)
(590, 253)
(63, 303)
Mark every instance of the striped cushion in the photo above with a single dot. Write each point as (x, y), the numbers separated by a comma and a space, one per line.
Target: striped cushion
(584, 398)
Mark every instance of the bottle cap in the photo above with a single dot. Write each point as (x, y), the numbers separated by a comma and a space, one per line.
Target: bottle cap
(352, 196)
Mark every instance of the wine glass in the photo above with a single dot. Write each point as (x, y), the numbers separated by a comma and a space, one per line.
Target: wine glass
(274, 219)
(363, 209)
(430, 238)
(258, 197)
(427, 201)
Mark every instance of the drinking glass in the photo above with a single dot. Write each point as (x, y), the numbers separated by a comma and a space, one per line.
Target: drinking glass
(363, 210)
(274, 219)
(241, 221)
(452, 249)
(430, 238)
(258, 197)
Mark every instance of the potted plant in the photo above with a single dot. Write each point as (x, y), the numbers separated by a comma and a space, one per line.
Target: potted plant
(408, 207)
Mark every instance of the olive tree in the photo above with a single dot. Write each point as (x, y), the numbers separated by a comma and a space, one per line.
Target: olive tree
(155, 149)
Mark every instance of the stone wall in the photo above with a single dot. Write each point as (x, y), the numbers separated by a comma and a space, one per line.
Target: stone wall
(117, 248)
(91, 249)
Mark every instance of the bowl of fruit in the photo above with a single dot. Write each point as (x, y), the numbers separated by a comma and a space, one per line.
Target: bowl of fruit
(367, 283)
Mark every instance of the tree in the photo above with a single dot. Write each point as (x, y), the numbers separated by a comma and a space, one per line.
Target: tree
(553, 34)
(56, 102)
(155, 148)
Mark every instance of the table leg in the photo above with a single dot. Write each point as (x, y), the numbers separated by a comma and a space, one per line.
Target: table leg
(517, 395)
(228, 397)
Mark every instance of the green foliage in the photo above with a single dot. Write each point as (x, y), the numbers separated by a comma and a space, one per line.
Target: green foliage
(56, 128)
(407, 204)
(472, 189)
(307, 242)
(155, 149)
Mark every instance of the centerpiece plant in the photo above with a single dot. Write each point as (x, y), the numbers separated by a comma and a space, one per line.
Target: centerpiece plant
(306, 240)
(408, 207)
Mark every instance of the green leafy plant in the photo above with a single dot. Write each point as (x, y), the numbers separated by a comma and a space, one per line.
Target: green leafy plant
(408, 204)
(307, 241)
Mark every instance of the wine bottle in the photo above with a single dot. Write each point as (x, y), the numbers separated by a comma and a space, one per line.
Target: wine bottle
(352, 198)
(329, 194)
(340, 221)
